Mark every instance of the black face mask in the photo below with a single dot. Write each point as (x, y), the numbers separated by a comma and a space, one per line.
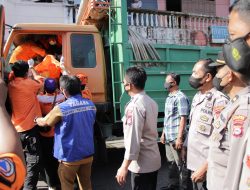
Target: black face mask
(195, 82)
(237, 55)
(217, 81)
(168, 85)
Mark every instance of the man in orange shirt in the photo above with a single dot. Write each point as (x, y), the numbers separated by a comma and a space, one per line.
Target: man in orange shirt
(12, 167)
(25, 108)
(84, 89)
(26, 51)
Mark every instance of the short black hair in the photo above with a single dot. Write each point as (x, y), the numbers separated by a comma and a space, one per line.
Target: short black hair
(71, 84)
(136, 76)
(207, 68)
(20, 68)
(176, 77)
(242, 7)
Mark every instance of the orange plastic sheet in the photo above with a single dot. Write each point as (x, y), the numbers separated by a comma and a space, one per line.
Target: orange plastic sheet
(49, 67)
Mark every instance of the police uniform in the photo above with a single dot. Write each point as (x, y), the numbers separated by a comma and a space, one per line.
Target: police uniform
(140, 140)
(205, 107)
(236, 118)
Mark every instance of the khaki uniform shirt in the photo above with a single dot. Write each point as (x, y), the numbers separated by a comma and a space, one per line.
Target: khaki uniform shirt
(237, 176)
(140, 134)
(203, 111)
(219, 148)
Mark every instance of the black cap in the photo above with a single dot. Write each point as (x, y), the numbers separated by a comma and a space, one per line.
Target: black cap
(220, 61)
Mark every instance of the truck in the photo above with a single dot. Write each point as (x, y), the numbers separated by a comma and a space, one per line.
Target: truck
(107, 38)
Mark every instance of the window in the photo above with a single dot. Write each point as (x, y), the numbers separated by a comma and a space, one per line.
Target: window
(83, 53)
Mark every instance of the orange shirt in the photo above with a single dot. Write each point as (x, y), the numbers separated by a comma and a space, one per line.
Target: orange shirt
(12, 171)
(46, 103)
(26, 51)
(25, 106)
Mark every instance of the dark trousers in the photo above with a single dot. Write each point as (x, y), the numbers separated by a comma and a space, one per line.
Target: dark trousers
(31, 146)
(144, 181)
(49, 162)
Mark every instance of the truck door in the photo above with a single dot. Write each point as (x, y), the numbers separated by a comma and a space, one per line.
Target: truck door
(85, 53)
(2, 30)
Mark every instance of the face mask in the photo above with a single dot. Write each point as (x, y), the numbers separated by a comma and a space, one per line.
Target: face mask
(217, 81)
(195, 82)
(167, 85)
(237, 55)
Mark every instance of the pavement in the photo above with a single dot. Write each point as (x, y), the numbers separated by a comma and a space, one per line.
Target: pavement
(103, 174)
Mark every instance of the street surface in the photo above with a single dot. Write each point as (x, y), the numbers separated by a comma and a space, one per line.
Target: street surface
(103, 175)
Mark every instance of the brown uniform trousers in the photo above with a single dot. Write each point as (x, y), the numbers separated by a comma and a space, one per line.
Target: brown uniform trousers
(67, 172)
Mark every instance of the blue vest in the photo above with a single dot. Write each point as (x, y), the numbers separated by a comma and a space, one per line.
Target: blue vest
(74, 138)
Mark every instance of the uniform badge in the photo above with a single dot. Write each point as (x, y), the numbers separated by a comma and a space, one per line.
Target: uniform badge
(239, 119)
(237, 131)
(129, 117)
(238, 122)
(248, 161)
(209, 105)
(204, 118)
(248, 182)
(202, 127)
(217, 110)
(217, 124)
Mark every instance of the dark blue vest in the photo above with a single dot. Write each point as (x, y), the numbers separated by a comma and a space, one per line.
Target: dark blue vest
(74, 133)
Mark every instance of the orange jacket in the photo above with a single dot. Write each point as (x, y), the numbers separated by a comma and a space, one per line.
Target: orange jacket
(26, 51)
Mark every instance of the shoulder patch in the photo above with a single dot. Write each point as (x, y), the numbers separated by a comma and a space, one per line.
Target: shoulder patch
(217, 110)
(129, 117)
(248, 161)
(238, 119)
(238, 130)
(7, 170)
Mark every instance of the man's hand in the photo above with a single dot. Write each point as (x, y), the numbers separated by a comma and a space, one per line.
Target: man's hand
(178, 143)
(121, 175)
(163, 138)
(3, 92)
(199, 175)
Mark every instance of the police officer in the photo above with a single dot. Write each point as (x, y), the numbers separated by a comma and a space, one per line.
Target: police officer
(218, 147)
(201, 118)
(142, 156)
(237, 56)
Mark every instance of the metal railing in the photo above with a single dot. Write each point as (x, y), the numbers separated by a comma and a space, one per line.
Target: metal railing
(172, 27)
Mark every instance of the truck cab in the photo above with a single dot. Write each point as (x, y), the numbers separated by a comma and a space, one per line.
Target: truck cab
(80, 46)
